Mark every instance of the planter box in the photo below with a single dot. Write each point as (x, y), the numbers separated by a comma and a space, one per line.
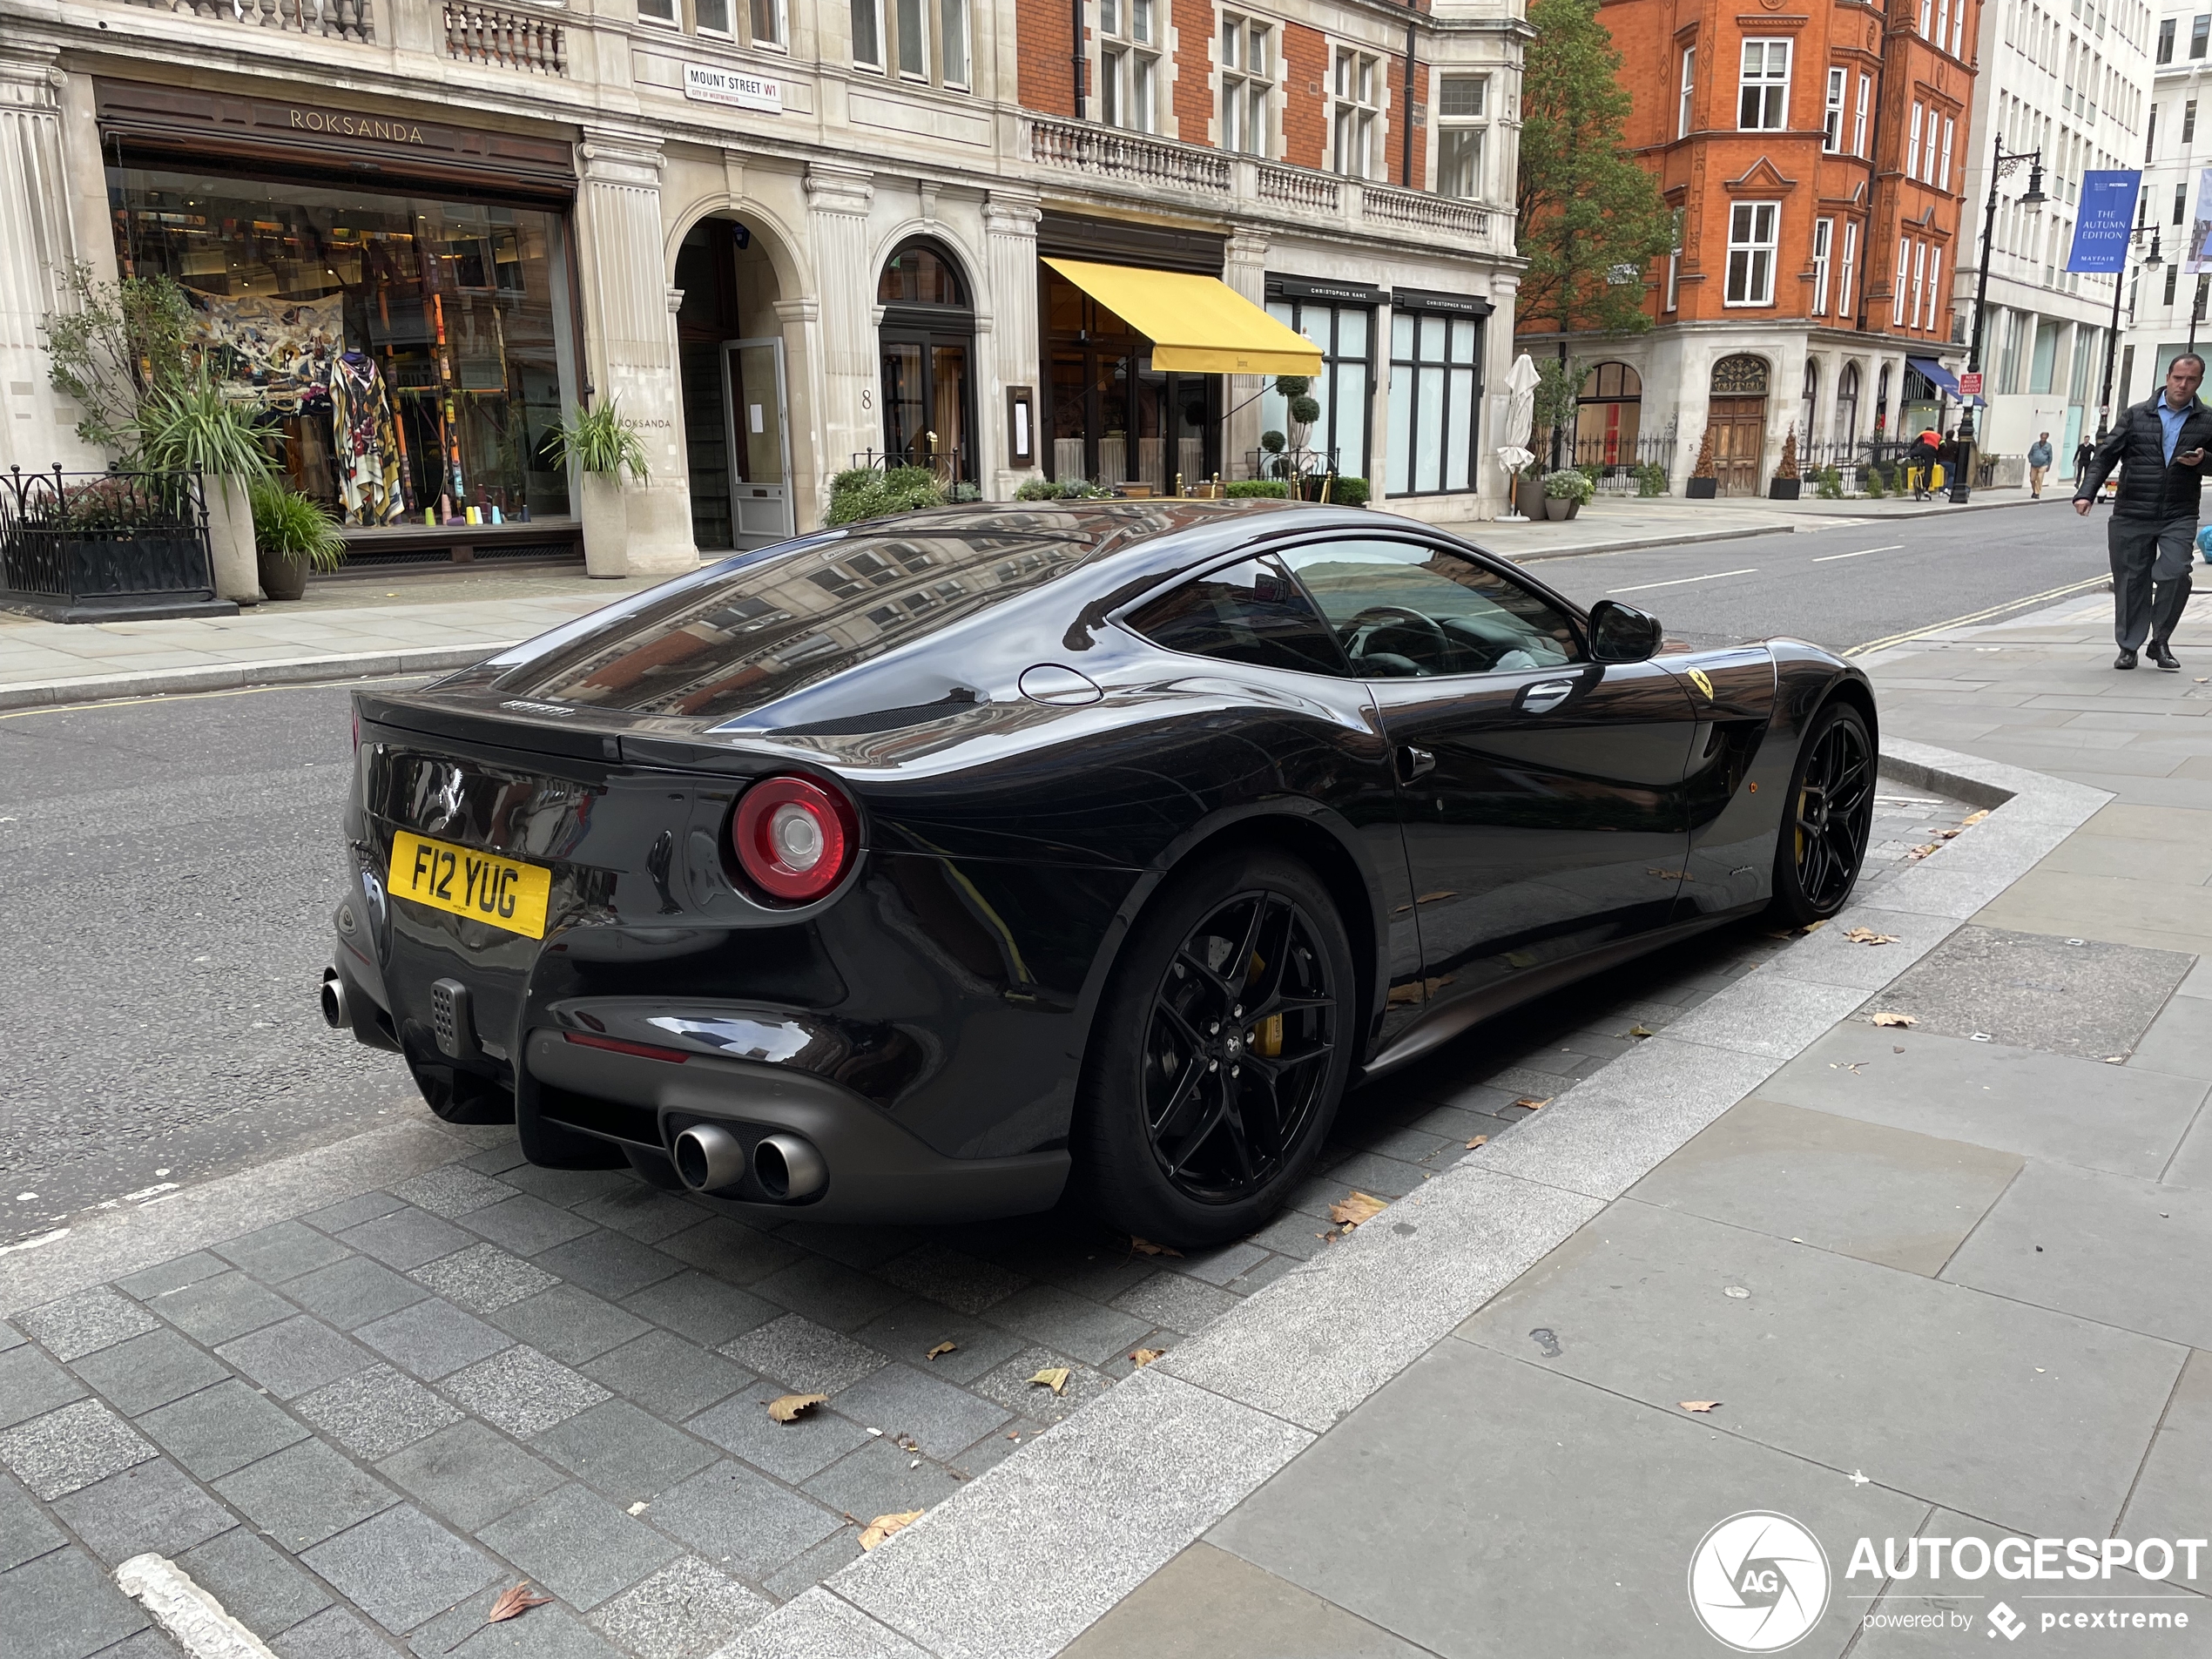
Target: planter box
(1528, 498)
(60, 561)
(1701, 490)
(1558, 508)
(1785, 488)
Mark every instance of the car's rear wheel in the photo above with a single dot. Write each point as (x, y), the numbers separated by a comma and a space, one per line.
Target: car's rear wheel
(1220, 1053)
(1827, 817)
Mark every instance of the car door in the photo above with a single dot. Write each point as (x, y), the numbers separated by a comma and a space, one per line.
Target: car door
(1540, 794)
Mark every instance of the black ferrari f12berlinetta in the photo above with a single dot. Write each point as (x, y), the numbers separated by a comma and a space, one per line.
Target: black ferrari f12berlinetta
(932, 868)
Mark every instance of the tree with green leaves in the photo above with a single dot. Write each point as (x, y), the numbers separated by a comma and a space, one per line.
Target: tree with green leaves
(1587, 210)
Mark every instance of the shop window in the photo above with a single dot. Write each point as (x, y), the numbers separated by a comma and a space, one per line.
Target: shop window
(1115, 418)
(1436, 390)
(1129, 63)
(927, 347)
(409, 356)
(1338, 441)
(1752, 231)
(1357, 88)
(1763, 104)
(1247, 84)
(1462, 102)
(1608, 417)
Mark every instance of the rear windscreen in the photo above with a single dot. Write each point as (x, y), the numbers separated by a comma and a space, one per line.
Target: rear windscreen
(769, 627)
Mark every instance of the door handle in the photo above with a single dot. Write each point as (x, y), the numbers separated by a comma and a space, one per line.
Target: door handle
(1545, 696)
(1414, 764)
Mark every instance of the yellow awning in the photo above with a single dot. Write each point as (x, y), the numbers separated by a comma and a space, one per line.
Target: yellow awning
(1198, 325)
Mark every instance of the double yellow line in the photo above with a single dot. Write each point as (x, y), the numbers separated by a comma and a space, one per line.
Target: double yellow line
(1974, 617)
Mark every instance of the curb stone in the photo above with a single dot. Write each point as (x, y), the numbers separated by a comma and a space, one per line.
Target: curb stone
(1021, 1561)
(225, 676)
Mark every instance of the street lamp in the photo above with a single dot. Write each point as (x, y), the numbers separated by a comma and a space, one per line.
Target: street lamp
(2032, 196)
(2150, 262)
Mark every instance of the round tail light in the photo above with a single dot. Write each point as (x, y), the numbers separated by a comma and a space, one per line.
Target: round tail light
(793, 837)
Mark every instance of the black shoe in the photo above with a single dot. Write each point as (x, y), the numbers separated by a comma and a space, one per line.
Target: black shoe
(2126, 659)
(2164, 658)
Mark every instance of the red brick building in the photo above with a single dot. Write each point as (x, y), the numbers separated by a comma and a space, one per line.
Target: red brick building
(1817, 152)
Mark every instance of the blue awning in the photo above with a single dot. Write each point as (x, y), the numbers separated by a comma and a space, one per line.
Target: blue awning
(1944, 379)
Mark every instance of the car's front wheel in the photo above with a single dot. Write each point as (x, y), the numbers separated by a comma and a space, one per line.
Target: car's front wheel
(1827, 817)
(1220, 1052)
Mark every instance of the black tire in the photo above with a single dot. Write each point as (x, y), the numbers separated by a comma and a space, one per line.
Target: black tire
(1170, 1153)
(1820, 846)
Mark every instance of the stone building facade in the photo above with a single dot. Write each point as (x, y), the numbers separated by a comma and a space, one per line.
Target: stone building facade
(785, 238)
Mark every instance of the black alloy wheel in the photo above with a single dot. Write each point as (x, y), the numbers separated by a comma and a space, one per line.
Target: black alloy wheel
(1221, 1051)
(1828, 816)
(1242, 1030)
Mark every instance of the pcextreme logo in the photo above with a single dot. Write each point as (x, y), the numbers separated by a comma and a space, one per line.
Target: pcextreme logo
(1758, 1582)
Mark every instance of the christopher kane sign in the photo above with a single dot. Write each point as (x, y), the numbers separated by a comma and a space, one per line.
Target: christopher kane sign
(1759, 1583)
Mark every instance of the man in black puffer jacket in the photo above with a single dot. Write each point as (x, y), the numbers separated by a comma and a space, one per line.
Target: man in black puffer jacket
(2160, 448)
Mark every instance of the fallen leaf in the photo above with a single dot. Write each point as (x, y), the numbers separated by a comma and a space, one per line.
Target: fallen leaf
(1145, 1357)
(785, 1408)
(1361, 1206)
(1868, 936)
(511, 1604)
(1640, 1031)
(1146, 1247)
(1893, 1019)
(942, 1348)
(1533, 1104)
(885, 1526)
(1480, 1140)
(1973, 819)
(1697, 1405)
(1918, 852)
(1052, 1377)
(1814, 926)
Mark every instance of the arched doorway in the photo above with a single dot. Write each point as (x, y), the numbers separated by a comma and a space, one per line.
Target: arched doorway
(927, 344)
(1809, 406)
(1735, 418)
(1847, 406)
(1607, 417)
(730, 351)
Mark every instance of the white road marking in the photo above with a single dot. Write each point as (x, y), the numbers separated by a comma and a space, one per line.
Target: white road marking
(143, 1193)
(187, 1612)
(1642, 587)
(1861, 554)
(34, 1241)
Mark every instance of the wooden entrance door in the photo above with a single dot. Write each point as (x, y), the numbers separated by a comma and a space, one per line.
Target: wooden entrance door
(1738, 426)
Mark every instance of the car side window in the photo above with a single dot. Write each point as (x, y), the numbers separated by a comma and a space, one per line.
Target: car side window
(1405, 610)
(1251, 612)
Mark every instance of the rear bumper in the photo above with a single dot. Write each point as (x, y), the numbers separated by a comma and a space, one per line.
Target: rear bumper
(879, 1171)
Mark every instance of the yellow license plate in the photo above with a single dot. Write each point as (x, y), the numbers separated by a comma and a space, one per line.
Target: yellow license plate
(504, 892)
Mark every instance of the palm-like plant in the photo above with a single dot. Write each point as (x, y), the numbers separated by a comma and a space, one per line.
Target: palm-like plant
(289, 526)
(193, 427)
(598, 440)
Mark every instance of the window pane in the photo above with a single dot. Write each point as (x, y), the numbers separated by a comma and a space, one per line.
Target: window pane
(664, 10)
(953, 19)
(1232, 32)
(867, 49)
(1350, 431)
(1258, 59)
(1352, 332)
(1462, 95)
(1428, 465)
(1475, 620)
(1250, 613)
(712, 15)
(1401, 429)
(912, 50)
(1463, 331)
(1458, 163)
(1140, 19)
(1433, 339)
(1401, 335)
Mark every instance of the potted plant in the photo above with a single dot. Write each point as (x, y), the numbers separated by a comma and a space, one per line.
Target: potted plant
(1528, 493)
(291, 535)
(1786, 485)
(863, 492)
(191, 427)
(1565, 491)
(1703, 485)
(601, 446)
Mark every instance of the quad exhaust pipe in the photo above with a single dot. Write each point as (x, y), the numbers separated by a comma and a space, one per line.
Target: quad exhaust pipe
(711, 1159)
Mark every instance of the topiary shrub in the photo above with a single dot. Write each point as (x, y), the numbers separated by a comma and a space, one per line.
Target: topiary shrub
(1271, 442)
(1651, 479)
(863, 493)
(1257, 490)
(1305, 409)
(1350, 492)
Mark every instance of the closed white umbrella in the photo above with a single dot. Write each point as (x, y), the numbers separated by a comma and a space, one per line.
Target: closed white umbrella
(1520, 415)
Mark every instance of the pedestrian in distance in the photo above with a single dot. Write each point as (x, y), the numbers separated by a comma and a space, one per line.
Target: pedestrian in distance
(1920, 461)
(2159, 446)
(2038, 466)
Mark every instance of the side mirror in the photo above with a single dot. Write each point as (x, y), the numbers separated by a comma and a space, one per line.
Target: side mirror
(1621, 633)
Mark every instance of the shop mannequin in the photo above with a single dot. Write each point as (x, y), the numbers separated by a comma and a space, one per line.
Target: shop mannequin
(366, 441)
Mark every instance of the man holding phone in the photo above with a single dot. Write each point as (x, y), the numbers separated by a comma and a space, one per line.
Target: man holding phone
(2159, 447)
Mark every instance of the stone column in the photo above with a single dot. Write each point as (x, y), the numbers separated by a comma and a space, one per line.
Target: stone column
(630, 338)
(1243, 268)
(799, 321)
(1016, 345)
(846, 418)
(37, 246)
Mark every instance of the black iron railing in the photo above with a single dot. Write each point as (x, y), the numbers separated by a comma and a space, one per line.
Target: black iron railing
(1861, 462)
(103, 540)
(947, 463)
(1636, 466)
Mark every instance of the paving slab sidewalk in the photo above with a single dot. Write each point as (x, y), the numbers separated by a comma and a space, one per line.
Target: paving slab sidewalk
(1939, 1280)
